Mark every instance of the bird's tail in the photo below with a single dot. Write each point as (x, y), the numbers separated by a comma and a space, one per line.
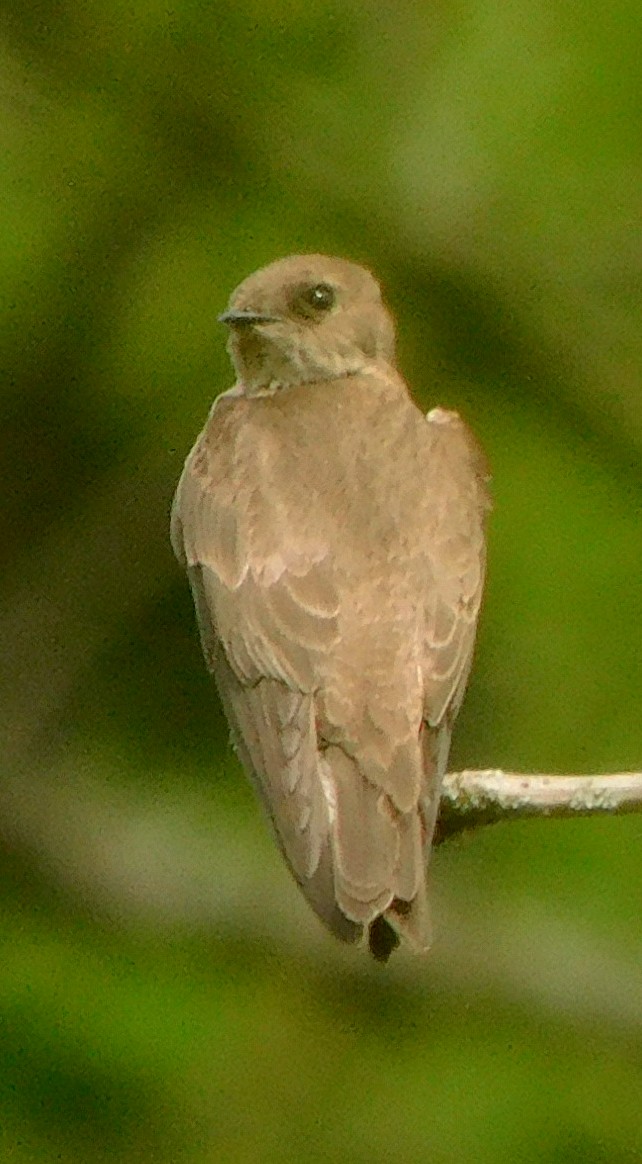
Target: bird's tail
(378, 857)
(409, 920)
(408, 916)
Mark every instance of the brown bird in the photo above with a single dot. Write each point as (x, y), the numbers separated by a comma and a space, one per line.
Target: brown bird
(333, 537)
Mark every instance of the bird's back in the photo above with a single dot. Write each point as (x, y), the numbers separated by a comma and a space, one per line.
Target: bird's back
(338, 536)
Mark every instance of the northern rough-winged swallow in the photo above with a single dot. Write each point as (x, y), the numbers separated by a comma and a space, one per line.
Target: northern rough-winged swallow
(334, 539)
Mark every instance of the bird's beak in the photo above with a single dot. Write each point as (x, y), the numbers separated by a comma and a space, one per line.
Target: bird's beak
(244, 318)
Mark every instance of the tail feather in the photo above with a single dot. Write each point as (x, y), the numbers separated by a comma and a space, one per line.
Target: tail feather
(365, 840)
(379, 860)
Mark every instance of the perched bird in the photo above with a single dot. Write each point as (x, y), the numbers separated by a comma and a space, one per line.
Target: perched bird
(333, 537)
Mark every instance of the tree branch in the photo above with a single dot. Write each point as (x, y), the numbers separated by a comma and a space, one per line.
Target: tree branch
(475, 797)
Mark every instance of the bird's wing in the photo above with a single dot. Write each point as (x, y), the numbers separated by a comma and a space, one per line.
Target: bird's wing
(456, 562)
(267, 609)
(268, 612)
(455, 499)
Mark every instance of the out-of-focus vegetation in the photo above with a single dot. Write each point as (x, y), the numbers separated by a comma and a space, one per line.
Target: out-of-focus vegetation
(165, 995)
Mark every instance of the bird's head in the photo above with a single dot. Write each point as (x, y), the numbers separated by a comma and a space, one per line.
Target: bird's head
(305, 318)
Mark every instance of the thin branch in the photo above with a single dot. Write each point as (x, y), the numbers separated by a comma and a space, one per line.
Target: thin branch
(471, 798)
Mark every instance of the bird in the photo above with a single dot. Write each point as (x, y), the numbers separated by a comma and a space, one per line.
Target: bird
(334, 539)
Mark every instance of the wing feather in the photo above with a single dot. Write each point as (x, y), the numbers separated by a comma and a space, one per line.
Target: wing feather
(267, 613)
(353, 812)
(457, 561)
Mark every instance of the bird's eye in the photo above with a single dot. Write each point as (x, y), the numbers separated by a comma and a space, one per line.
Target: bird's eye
(320, 297)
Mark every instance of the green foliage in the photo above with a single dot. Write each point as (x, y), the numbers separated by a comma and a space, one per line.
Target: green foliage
(164, 993)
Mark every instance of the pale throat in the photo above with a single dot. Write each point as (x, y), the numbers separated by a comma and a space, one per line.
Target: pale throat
(264, 368)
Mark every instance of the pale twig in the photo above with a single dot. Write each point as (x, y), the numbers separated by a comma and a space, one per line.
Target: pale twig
(487, 796)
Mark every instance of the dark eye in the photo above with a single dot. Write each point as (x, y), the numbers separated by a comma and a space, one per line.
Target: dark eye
(321, 297)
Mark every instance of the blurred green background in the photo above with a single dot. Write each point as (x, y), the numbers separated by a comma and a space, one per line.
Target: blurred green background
(165, 994)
